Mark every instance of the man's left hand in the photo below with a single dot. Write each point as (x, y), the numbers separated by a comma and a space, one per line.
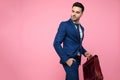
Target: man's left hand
(88, 55)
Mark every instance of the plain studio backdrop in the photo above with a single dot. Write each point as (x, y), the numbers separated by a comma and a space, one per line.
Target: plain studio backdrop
(28, 28)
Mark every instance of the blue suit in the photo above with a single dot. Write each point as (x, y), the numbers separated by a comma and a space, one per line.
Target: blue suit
(72, 45)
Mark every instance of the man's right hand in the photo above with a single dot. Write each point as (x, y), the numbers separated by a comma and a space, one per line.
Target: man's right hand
(70, 61)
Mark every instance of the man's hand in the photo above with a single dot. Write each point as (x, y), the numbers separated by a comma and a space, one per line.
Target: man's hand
(88, 55)
(70, 61)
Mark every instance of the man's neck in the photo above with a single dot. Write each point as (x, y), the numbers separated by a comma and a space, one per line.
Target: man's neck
(76, 22)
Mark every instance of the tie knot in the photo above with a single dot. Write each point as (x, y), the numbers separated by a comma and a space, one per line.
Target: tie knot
(77, 25)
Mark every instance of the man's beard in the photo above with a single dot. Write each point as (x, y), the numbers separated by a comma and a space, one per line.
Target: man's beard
(74, 18)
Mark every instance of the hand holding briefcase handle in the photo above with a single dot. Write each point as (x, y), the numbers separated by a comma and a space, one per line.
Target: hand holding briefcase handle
(88, 55)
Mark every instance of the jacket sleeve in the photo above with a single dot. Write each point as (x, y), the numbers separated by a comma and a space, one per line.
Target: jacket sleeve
(61, 33)
(83, 51)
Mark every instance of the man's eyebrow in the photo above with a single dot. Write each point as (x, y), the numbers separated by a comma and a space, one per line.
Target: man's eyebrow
(78, 11)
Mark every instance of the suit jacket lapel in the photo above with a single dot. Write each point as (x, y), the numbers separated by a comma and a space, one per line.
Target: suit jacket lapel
(73, 26)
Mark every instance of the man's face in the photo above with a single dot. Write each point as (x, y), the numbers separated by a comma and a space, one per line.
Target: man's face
(76, 13)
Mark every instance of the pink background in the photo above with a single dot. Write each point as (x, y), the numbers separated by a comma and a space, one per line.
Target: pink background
(28, 28)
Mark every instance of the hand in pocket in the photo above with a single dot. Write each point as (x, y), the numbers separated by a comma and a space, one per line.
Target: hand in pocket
(70, 61)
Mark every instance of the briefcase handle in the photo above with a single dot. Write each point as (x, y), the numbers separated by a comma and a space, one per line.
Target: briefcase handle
(91, 57)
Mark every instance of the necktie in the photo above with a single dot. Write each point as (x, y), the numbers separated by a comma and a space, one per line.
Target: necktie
(79, 36)
(78, 29)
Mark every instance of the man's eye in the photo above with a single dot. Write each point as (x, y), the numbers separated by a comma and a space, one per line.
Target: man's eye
(77, 12)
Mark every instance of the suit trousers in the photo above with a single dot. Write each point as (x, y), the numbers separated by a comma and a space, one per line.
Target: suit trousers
(72, 72)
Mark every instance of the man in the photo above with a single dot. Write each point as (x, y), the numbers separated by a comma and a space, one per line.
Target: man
(68, 43)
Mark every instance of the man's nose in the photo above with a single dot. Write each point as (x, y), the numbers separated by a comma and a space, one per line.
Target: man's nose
(74, 14)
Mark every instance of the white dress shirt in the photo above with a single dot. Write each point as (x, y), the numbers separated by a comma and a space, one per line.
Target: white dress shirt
(81, 34)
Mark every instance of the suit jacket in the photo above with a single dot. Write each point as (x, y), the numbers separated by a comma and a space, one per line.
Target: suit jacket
(72, 44)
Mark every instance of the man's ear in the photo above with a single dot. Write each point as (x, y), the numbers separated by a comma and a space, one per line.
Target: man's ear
(82, 14)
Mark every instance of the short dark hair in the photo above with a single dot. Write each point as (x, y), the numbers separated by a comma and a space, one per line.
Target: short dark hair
(77, 4)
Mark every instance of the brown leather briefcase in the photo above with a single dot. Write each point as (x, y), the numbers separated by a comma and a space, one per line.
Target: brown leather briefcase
(92, 70)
